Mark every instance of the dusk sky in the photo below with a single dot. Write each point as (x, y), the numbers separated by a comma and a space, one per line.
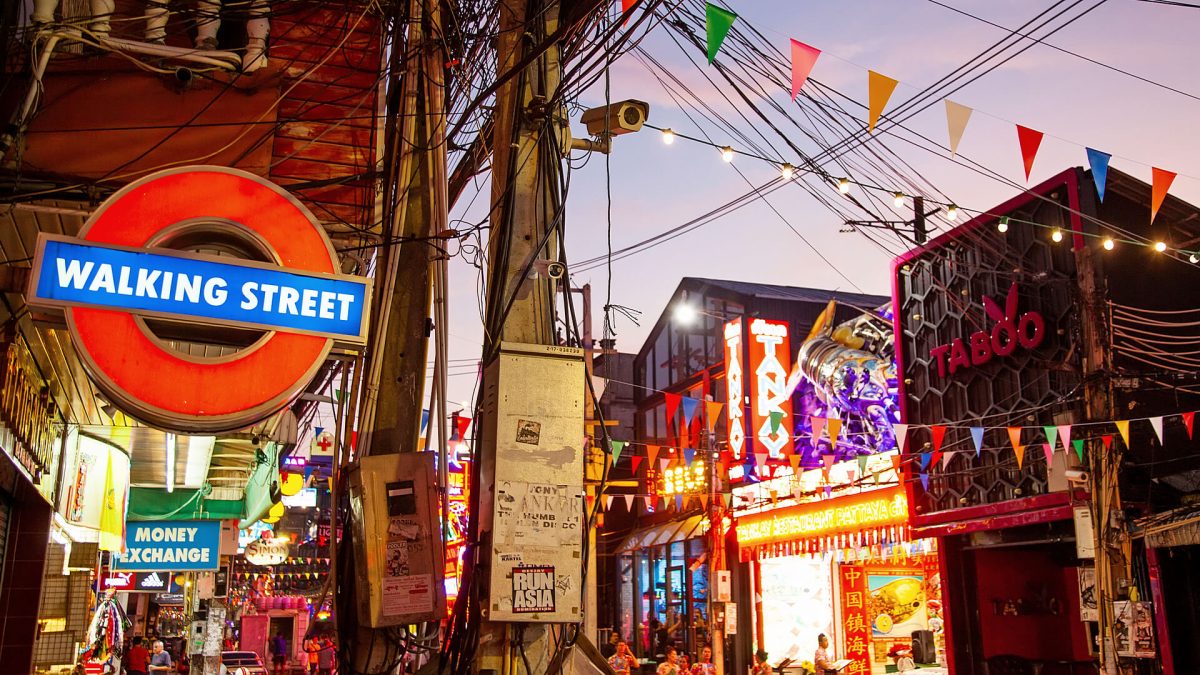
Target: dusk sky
(656, 187)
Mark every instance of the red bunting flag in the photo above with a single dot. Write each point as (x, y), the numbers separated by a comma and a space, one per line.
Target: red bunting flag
(634, 461)
(1030, 141)
(804, 57)
(673, 401)
(1161, 184)
(1107, 439)
(1188, 418)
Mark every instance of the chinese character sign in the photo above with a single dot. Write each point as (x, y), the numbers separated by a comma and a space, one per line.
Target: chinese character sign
(770, 363)
(734, 388)
(855, 622)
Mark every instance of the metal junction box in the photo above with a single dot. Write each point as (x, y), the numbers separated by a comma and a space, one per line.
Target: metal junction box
(397, 540)
(531, 487)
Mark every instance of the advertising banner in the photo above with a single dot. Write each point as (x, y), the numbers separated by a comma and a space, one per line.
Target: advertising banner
(186, 545)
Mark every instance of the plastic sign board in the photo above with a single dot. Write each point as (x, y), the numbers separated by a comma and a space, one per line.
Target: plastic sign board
(185, 545)
(267, 551)
(157, 582)
(207, 289)
(134, 261)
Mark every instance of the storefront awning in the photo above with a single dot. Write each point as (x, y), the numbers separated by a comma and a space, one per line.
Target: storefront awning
(665, 533)
(1178, 527)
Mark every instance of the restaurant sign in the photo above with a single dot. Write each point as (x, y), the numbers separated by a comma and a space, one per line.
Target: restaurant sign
(1009, 331)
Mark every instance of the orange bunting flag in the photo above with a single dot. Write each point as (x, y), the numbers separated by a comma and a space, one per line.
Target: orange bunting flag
(957, 116)
(1014, 435)
(804, 57)
(652, 453)
(1030, 141)
(896, 460)
(794, 460)
(879, 90)
(1123, 427)
(712, 412)
(834, 425)
(1019, 450)
(1159, 187)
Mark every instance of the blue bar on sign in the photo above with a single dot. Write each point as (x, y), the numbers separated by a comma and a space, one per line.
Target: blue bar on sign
(78, 273)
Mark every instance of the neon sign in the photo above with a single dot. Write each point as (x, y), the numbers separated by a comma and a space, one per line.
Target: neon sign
(734, 389)
(688, 479)
(124, 250)
(830, 517)
(458, 498)
(770, 362)
(1009, 331)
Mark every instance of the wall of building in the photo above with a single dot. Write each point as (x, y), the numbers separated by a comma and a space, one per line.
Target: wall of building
(22, 568)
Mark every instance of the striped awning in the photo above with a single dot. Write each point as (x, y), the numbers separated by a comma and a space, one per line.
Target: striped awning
(665, 533)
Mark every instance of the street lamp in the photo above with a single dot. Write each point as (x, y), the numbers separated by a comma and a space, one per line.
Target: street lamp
(685, 313)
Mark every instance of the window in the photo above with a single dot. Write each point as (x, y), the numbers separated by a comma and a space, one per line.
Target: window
(662, 360)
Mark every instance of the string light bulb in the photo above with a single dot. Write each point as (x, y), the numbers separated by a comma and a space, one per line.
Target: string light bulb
(1056, 235)
(1109, 244)
(1193, 259)
(1160, 246)
(898, 199)
(668, 136)
(1002, 226)
(727, 153)
(952, 212)
(787, 170)
(844, 185)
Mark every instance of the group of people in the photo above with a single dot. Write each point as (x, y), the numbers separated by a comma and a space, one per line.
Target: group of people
(322, 654)
(623, 662)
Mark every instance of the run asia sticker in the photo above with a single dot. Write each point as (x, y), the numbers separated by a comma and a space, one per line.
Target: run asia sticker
(532, 590)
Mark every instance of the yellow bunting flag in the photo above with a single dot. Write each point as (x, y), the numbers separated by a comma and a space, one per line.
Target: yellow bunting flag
(879, 90)
(1123, 427)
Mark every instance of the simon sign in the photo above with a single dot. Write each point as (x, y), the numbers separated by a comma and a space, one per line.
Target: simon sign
(199, 246)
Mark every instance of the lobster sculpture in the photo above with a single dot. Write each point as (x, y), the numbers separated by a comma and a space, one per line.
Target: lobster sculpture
(847, 371)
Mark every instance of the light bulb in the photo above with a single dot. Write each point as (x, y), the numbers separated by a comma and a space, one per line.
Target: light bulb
(1002, 226)
(668, 136)
(1193, 259)
(1056, 235)
(727, 153)
(844, 185)
(1109, 244)
(787, 170)
(1160, 246)
(898, 199)
(952, 212)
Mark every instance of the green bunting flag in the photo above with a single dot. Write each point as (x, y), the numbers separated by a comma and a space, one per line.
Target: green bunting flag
(776, 419)
(617, 447)
(1078, 444)
(718, 21)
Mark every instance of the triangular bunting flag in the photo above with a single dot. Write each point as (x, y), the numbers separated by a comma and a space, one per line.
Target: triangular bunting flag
(828, 460)
(629, 503)
(712, 412)
(663, 463)
(717, 23)
(879, 90)
(627, 5)
(926, 458)
(896, 461)
(862, 465)
(901, 436)
(634, 461)
(794, 460)
(1156, 423)
(776, 419)
(688, 455)
(608, 502)
(828, 491)
(834, 426)
(1019, 450)
(938, 433)
(1078, 444)
(1064, 432)
(804, 58)
(1161, 184)
(617, 447)
(1123, 427)
(1107, 439)
(1049, 452)
(1014, 436)
(818, 427)
(977, 439)
(925, 480)
(946, 457)
(673, 401)
(1030, 140)
(704, 500)
(760, 458)
(652, 453)
(1188, 418)
(646, 502)
(957, 116)
(678, 502)
(690, 406)
(1099, 163)
(1051, 435)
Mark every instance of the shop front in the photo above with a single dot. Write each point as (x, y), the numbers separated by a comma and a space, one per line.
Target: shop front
(663, 581)
(844, 567)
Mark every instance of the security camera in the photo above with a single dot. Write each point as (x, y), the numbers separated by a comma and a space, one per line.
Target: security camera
(556, 270)
(1076, 476)
(623, 117)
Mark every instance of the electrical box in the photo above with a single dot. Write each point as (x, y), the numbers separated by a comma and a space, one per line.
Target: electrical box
(531, 484)
(397, 539)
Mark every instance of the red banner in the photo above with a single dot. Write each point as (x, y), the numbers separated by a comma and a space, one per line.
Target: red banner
(855, 622)
(770, 363)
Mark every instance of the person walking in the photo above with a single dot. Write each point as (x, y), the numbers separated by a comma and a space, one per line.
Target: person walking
(138, 659)
(160, 660)
(278, 648)
(327, 657)
(312, 646)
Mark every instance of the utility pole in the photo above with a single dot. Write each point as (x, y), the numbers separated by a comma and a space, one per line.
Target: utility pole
(393, 384)
(915, 230)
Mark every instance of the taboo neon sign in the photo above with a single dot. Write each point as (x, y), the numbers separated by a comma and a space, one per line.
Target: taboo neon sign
(271, 269)
(1010, 330)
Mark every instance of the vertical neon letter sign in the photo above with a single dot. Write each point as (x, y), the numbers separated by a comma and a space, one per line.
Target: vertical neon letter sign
(734, 389)
(770, 360)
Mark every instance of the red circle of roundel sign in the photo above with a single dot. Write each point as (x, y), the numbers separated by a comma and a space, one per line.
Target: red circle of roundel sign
(119, 271)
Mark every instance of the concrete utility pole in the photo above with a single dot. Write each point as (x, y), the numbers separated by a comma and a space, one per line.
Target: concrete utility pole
(393, 392)
(521, 308)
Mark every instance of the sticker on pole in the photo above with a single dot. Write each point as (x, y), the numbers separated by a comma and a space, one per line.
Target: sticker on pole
(532, 590)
